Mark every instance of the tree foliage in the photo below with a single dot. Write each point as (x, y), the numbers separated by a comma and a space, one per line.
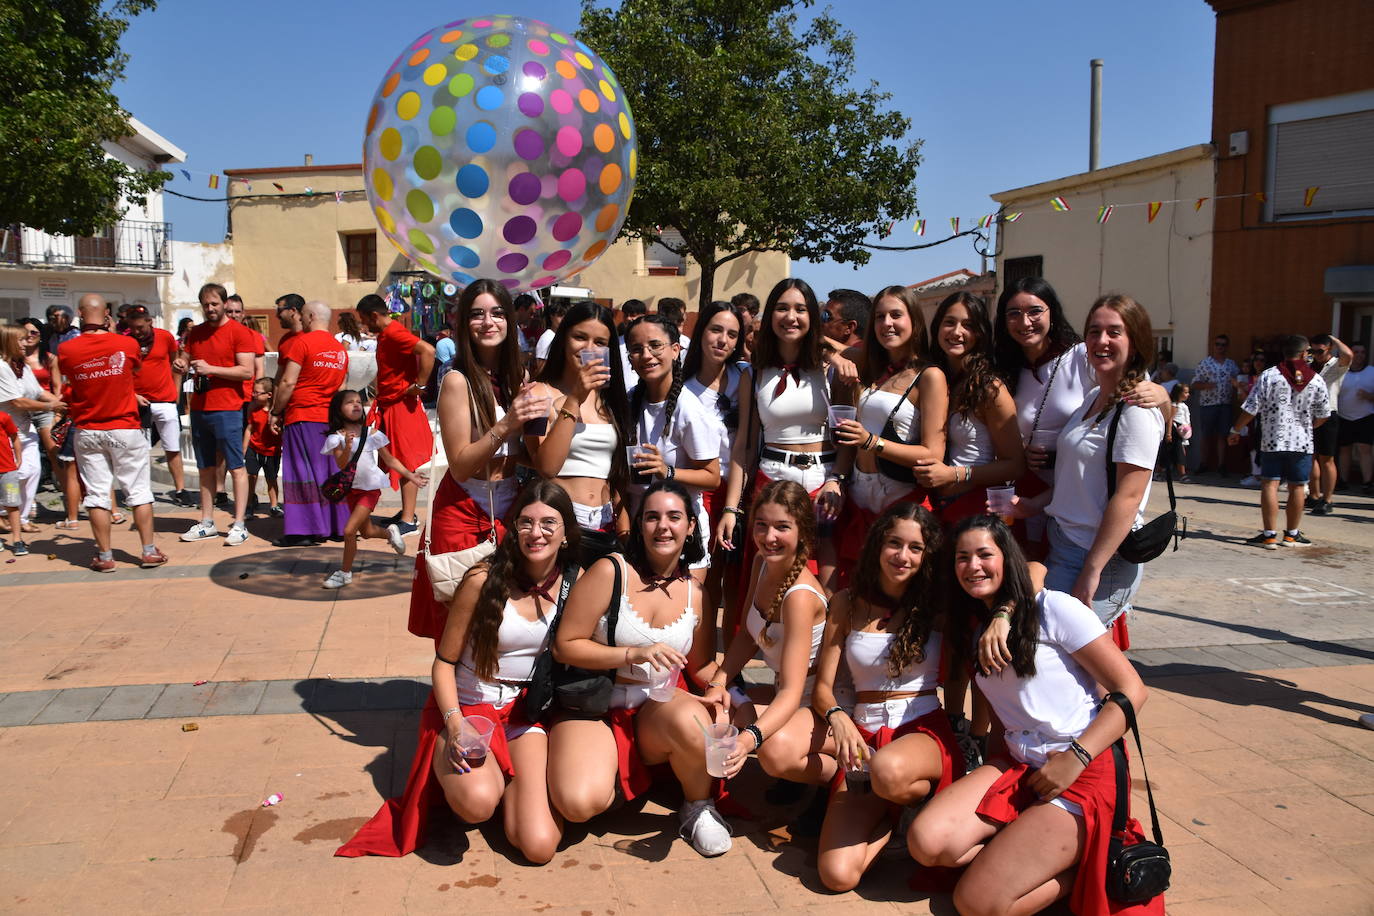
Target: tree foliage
(751, 137)
(59, 60)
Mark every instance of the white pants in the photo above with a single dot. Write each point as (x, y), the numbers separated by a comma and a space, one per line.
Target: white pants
(106, 456)
(30, 470)
(873, 492)
(168, 424)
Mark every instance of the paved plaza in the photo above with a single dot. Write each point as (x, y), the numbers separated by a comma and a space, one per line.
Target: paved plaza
(1259, 665)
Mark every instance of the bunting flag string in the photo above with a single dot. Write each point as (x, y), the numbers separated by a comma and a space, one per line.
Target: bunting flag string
(919, 227)
(1104, 213)
(1200, 201)
(214, 181)
(1011, 217)
(954, 225)
(1153, 211)
(1308, 195)
(986, 221)
(1059, 204)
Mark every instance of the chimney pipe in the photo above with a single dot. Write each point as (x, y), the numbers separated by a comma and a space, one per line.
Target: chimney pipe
(1095, 117)
(310, 160)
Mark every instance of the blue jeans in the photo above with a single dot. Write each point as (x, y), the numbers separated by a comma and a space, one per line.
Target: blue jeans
(1294, 467)
(1115, 587)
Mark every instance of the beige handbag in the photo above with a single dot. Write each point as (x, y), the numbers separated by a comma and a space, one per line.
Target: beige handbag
(446, 570)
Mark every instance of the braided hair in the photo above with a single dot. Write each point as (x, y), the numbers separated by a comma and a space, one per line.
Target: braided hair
(797, 503)
(674, 391)
(1142, 342)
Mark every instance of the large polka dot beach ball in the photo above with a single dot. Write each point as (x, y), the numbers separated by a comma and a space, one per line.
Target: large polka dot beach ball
(499, 147)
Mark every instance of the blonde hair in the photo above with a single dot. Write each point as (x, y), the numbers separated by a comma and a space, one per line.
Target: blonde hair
(797, 503)
(12, 346)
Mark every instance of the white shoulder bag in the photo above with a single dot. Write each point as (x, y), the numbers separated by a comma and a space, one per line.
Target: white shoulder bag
(446, 570)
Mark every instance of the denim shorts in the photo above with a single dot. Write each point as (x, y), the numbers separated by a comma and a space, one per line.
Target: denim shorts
(1294, 467)
(1115, 587)
(1212, 420)
(215, 433)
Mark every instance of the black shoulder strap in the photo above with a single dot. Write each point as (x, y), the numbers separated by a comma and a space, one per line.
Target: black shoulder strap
(362, 442)
(1123, 770)
(905, 394)
(1111, 464)
(613, 611)
(569, 577)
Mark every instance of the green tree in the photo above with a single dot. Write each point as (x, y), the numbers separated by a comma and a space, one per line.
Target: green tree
(59, 60)
(751, 137)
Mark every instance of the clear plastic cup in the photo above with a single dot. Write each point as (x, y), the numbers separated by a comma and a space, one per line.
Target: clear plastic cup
(474, 739)
(720, 744)
(1045, 439)
(663, 686)
(841, 412)
(636, 476)
(540, 425)
(860, 780)
(999, 501)
(587, 354)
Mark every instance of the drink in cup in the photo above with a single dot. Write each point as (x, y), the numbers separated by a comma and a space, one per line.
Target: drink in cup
(474, 739)
(630, 452)
(841, 412)
(540, 425)
(664, 684)
(587, 354)
(1045, 439)
(999, 502)
(860, 780)
(720, 744)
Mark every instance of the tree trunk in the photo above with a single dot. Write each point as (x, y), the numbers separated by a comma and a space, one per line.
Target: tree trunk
(708, 284)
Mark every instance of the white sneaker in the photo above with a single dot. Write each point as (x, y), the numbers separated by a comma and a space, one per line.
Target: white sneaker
(1250, 481)
(236, 536)
(396, 539)
(704, 828)
(338, 579)
(201, 532)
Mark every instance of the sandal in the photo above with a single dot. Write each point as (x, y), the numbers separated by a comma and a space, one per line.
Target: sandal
(28, 527)
(118, 518)
(68, 524)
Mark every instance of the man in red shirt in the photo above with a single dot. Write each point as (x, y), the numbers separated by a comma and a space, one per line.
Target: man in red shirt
(156, 389)
(221, 357)
(312, 366)
(404, 363)
(110, 447)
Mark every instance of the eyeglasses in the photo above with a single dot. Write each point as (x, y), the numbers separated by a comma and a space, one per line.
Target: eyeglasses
(654, 347)
(826, 317)
(547, 526)
(1034, 312)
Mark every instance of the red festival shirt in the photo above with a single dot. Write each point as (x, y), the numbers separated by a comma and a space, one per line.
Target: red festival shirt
(8, 460)
(324, 369)
(219, 347)
(100, 369)
(153, 379)
(259, 348)
(261, 439)
(396, 369)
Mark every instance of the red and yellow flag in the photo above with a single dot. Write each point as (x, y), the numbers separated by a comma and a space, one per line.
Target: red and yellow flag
(214, 181)
(1309, 195)
(1153, 210)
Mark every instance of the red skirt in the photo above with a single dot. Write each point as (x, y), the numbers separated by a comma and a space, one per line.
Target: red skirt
(635, 778)
(851, 530)
(458, 523)
(356, 498)
(1095, 792)
(935, 724)
(407, 426)
(399, 826)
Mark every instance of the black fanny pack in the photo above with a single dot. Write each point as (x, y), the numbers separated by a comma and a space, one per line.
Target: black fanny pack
(1147, 542)
(900, 473)
(1140, 870)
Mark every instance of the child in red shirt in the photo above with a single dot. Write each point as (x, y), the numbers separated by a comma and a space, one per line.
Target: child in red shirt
(10, 490)
(262, 448)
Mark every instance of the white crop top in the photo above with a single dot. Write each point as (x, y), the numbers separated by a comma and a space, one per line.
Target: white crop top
(590, 451)
(970, 441)
(798, 415)
(866, 654)
(754, 624)
(875, 405)
(518, 642)
(633, 630)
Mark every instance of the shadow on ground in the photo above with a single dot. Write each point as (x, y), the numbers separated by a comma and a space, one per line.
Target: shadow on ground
(1245, 688)
(297, 572)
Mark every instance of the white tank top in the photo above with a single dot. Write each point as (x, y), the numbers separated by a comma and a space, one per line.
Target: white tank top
(754, 624)
(798, 415)
(632, 630)
(875, 405)
(866, 654)
(590, 451)
(970, 442)
(518, 643)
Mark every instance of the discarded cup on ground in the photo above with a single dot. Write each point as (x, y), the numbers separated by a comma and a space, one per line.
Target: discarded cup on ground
(999, 501)
(539, 426)
(720, 744)
(474, 738)
(1045, 439)
(841, 412)
(663, 685)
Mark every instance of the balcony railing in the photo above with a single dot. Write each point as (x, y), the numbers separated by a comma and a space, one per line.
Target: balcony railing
(127, 245)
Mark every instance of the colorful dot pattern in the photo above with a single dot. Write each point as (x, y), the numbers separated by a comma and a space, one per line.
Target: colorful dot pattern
(499, 148)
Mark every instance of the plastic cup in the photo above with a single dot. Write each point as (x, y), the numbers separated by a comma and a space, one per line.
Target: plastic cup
(540, 425)
(999, 501)
(630, 452)
(587, 354)
(1045, 439)
(860, 780)
(720, 744)
(664, 684)
(841, 412)
(474, 739)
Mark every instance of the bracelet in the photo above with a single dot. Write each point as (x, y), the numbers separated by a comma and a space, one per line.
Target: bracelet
(715, 684)
(735, 510)
(1081, 753)
(669, 473)
(758, 735)
(1002, 615)
(831, 711)
(494, 438)
(449, 712)
(1236, 432)
(564, 412)
(868, 443)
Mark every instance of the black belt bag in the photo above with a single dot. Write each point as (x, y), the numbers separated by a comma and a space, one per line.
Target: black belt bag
(1147, 542)
(582, 694)
(1140, 871)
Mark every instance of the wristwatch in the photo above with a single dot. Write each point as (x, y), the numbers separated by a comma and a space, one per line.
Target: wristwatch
(670, 473)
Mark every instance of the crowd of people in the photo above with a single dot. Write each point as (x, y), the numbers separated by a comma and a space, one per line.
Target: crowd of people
(877, 507)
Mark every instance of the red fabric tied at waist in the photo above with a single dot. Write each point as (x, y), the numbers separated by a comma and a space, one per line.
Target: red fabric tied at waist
(633, 773)
(458, 523)
(935, 724)
(406, 425)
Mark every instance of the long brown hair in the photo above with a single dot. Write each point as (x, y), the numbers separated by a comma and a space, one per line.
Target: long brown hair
(502, 567)
(508, 369)
(767, 351)
(917, 601)
(1139, 332)
(797, 503)
(875, 360)
(975, 386)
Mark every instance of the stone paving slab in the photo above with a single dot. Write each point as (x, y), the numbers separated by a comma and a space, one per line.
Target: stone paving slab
(75, 705)
(131, 701)
(20, 708)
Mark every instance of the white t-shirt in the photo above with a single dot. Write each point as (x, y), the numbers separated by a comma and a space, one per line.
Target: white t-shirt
(1050, 709)
(1286, 415)
(1350, 405)
(693, 434)
(717, 404)
(368, 476)
(1080, 470)
(541, 347)
(1072, 381)
(24, 385)
(1332, 372)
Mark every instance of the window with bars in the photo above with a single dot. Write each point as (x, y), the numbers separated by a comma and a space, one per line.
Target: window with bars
(1319, 158)
(360, 255)
(1021, 268)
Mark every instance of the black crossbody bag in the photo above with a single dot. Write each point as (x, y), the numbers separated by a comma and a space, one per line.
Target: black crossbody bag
(539, 693)
(1143, 544)
(901, 473)
(579, 693)
(1138, 872)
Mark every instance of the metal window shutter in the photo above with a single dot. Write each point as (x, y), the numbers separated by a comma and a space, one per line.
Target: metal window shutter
(1335, 154)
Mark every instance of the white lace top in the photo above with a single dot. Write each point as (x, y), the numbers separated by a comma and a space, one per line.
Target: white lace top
(633, 630)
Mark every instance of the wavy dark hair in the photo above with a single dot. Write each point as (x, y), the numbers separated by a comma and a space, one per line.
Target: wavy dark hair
(1142, 337)
(966, 616)
(974, 386)
(693, 549)
(875, 361)
(918, 598)
(1007, 352)
(636, 409)
(793, 497)
(508, 368)
(504, 565)
(337, 421)
(612, 395)
(766, 354)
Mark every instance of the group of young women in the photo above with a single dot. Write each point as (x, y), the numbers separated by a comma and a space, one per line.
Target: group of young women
(853, 550)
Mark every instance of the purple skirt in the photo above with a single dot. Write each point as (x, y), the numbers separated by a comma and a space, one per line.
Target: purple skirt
(303, 469)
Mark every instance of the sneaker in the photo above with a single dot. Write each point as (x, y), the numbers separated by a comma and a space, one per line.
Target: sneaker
(19, 549)
(396, 539)
(153, 559)
(408, 529)
(1296, 539)
(1323, 508)
(102, 566)
(236, 536)
(1250, 481)
(1311, 502)
(704, 828)
(222, 501)
(1267, 541)
(201, 532)
(338, 579)
(276, 512)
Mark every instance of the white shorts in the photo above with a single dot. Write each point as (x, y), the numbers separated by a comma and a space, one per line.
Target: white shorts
(594, 518)
(811, 478)
(108, 456)
(873, 492)
(168, 424)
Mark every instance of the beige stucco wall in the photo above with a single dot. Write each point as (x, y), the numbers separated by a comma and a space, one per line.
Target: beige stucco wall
(193, 265)
(1165, 265)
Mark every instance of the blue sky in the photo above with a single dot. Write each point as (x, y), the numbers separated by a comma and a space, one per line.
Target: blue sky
(997, 90)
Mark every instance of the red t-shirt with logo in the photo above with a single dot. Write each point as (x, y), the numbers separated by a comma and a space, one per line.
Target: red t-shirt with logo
(8, 461)
(259, 348)
(261, 439)
(100, 369)
(153, 379)
(396, 369)
(324, 369)
(220, 347)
